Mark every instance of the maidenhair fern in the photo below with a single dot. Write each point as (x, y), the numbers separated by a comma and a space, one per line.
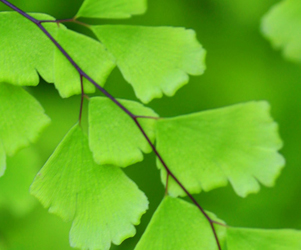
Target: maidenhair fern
(83, 180)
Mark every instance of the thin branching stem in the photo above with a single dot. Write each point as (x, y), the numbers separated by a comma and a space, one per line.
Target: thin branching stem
(147, 117)
(68, 20)
(128, 112)
(219, 223)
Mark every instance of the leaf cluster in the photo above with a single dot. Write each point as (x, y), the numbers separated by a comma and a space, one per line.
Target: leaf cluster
(83, 181)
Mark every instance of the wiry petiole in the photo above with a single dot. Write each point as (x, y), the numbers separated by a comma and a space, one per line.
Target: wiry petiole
(68, 20)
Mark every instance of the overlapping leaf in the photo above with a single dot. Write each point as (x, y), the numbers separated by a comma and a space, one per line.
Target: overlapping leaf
(89, 54)
(281, 25)
(206, 150)
(102, 201)
(22, 119)
(255, 239)
(113, 136)
(179, 225)
(112, 8)
(27, 53)
(154, 60)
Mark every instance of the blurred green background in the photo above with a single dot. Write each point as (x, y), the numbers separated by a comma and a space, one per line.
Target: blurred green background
(241, 66)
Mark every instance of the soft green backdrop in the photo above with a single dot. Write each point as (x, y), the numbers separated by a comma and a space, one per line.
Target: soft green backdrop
(241, 66)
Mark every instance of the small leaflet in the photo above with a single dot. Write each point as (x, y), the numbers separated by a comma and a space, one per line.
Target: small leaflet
(25, 51)
(255, 239)
(177, 224)
(154, 60)
(114, 137)
(26, 54)
(207, 149)
(103, 203)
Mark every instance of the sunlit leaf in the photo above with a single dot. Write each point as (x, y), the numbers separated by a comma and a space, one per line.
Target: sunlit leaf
(205, 150)
(154, 60)
(25, 51)
(255, 239)
(22, 118)
(178, 225)
(113, 136)
(14, 185)
(112, 8)
(102, 201)
(281, 25)
(89, 54)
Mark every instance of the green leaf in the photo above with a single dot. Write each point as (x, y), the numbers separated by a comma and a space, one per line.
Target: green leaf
(30, 53)
(25, 51)
(22, 118)
(114, 137)
(154, 60)
(255, 239)
(90, 55)
(14, 185)
(179, 225)
(112, 8)
(281, 25)
(2, 159)
(102, 201)
(206, 149)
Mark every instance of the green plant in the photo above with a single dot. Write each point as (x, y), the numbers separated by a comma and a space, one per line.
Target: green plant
(230, 143)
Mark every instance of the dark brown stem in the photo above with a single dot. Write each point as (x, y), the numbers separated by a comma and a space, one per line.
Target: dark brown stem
(146, 117)
(69, 20)
(134, 117)
(219, 223)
